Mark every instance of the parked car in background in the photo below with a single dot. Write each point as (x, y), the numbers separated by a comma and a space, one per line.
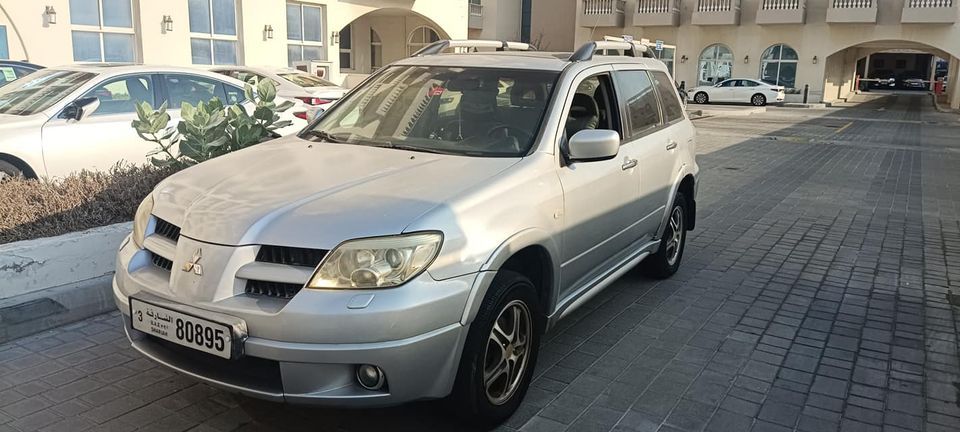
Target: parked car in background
(738, 90)
(311, 94)
(419, 238)
(60, 120)
(883, 80)
(914, 84)
(11, 70)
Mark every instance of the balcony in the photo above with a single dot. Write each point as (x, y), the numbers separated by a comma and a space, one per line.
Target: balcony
(781, 12)
(852, 11)
(601, 13)
(717, 12)
(930, 11)
(475, 20)
(657, 13)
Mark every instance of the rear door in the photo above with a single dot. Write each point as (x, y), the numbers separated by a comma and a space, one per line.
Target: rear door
(106, 137)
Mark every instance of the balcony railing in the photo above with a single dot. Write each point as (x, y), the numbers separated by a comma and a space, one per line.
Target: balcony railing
(602, 13)
(475, 20)
(717, 12)
(930, 11)
(782, 12)
(657, 13)
(852, 11)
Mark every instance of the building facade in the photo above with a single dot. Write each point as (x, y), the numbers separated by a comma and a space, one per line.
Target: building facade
(823, 45)
(345, 40)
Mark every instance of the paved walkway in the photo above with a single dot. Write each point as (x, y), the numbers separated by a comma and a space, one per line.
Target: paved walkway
(813, 297)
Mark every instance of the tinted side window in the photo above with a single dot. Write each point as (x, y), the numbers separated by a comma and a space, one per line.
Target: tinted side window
(234, 94)
(192, 89)
(672, 108)
(121, 95)
(642, 110)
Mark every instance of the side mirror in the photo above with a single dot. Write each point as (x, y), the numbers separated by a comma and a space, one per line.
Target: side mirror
(80, 108)
(593, 145)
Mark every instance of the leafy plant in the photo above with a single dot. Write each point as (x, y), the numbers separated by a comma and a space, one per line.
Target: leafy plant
(210, 129)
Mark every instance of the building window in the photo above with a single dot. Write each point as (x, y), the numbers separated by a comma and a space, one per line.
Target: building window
(421, 37)
(4, 48)
(778, 66)
(102, 31)
(346, 47)
(213, 32)
(304, 33)
(716, 64)
(667, 56)
(376, 50)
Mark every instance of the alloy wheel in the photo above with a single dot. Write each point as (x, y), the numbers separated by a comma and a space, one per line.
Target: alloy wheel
(701, 98)
(676, 235)
(758, 100)
(507, 352)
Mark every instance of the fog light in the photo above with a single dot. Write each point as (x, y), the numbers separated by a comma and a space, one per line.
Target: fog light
(370, 377)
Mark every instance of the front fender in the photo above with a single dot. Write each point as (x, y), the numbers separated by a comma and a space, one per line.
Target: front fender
(517, 242)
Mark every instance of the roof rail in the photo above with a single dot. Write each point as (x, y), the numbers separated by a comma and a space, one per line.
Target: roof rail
(630, 49)
(440, 46)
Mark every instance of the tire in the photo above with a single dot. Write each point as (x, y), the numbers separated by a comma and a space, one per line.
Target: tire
(8, 170)
(701, 98)
(510, 292)
(666, 261)
(758, 100)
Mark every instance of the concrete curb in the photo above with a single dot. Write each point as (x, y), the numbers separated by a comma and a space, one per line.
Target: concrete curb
(53, 281)
(940, 108)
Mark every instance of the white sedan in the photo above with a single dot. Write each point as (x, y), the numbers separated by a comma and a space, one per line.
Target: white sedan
(741, 90)
(60, 120)
(310, 94)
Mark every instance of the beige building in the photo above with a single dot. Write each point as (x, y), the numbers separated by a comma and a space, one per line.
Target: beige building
(345, 40)
(823, 44)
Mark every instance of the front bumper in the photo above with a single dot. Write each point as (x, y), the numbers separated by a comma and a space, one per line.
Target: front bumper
(418, 356)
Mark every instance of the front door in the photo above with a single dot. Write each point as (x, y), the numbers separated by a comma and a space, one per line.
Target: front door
(600, 198)
(106, 137)
(726, 92)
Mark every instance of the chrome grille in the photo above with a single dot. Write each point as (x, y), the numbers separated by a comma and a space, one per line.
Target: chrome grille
(301, 257)
(161, 262)
(167, 229)
(272, 289)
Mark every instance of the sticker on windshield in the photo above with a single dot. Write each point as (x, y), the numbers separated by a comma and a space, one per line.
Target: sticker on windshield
(8, 74)
(436, 90)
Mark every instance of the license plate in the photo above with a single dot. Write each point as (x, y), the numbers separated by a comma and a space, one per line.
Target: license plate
(180, 328)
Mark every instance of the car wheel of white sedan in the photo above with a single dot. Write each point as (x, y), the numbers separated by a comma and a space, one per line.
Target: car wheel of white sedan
(500, 352)
(701, 98)
(758, 100)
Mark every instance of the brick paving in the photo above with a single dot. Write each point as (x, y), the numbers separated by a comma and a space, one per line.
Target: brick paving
(813, 297)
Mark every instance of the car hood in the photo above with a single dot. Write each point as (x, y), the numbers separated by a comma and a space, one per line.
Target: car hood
(293, 192)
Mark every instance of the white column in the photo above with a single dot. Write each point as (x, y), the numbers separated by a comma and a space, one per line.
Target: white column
(953, 91)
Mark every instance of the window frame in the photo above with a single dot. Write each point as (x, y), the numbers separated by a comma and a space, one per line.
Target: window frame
(716, 59)
(375, 65)
(420, 45)
(213, 36)
(779, 61)
(102, 30)
(660, 99)
(154, 88)
(633, 136)
(347, 51)
(301, 43)
(4, 43)
(165, 90)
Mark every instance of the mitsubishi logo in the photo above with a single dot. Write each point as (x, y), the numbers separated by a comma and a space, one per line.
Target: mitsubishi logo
(193, 265)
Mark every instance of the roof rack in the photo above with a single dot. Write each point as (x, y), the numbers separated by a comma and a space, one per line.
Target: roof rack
(629, 48)
(440, 46)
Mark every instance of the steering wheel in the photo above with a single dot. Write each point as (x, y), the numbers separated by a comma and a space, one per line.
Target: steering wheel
(508, 131)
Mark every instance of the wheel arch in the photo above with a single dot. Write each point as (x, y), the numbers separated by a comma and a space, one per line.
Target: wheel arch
(532, 253)
(686, 183)
(23, 166)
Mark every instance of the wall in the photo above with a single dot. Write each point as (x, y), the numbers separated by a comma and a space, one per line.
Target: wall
(501, 21)
(552, 24)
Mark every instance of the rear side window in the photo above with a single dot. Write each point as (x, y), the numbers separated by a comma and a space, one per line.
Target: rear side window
(193, 89)
(643, 113)
(672, 109)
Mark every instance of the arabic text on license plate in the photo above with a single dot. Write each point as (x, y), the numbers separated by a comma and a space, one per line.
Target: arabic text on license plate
(180, 328)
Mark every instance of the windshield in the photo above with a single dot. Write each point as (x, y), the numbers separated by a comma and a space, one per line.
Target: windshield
(465, 111)
(306, 80)
(40, 90)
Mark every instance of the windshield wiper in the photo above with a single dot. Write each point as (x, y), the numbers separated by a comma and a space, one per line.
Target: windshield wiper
(325, 136)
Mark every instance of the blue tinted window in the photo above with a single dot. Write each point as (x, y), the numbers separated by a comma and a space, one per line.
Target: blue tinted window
(4, 49)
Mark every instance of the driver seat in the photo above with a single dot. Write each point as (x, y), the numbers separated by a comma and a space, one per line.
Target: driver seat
(584, 114)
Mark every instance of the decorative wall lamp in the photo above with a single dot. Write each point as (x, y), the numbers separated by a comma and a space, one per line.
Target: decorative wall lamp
(683, 58)
(268, 31)
(746, 59)
(335, 37)
(167, 23)
(815, 60)
(51, 14)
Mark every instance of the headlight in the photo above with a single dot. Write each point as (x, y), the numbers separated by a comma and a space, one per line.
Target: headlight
(383, 262)
(141, 219)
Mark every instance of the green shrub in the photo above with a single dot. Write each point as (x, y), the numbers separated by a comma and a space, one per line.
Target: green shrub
(210, 129)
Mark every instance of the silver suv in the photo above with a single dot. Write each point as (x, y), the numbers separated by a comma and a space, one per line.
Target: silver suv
(417, 239)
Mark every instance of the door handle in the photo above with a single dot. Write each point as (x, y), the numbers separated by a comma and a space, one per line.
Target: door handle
(671, 145)
(628, 163)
